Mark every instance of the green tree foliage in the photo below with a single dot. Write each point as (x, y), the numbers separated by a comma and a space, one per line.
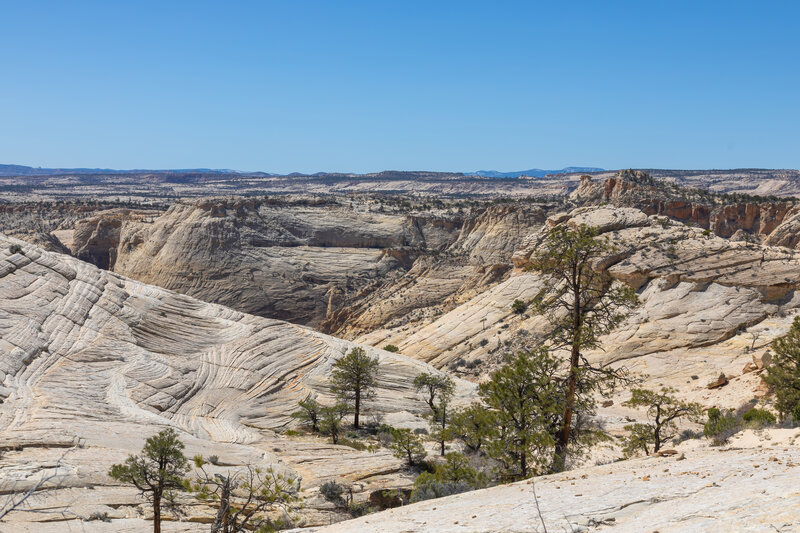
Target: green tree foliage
(451, 477)
(783, 375)
(437, 391)
(354, 378)
(758, 418)
(721, 426)
(156, 472)
(408, 446)
(242, 497)
(472, 425)
(391, 348)
(524, 399)
(519, 307)
(582, 304)
(330, 422)
(663, 412)
(310, 412)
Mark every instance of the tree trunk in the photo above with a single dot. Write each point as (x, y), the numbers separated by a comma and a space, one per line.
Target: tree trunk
(444, 425)
(358, 408)
(156, 513)
(572, 381)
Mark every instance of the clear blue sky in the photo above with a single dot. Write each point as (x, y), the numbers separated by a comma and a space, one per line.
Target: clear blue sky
(365, 86)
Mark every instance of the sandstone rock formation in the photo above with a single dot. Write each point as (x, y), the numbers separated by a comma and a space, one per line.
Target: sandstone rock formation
(95, 361)
(702, 297)
(324, 264)
(723, 214)
(749, 487)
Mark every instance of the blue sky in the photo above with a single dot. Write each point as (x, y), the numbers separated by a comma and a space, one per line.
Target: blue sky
(365, 86)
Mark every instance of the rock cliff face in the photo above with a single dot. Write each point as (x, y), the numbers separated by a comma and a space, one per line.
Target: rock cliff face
(704, 301)
(91, 359)
(322, 265)
(723, 214)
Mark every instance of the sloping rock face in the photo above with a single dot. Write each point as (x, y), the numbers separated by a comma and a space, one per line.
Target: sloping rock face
(479, 258)
(751, 488)
(91, 359)
(723, 214)
(320, 264)
(703, 301)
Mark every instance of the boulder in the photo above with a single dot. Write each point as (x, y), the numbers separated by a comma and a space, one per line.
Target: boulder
(389, 498)
(762, 360)
(721, 381)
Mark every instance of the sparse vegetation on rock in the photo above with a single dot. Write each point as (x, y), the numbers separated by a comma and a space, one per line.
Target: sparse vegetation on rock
(353, 380)
(157, 472)
(437, 390)
(242, 497)
(783, 374)
(664, 411)
(582, 303)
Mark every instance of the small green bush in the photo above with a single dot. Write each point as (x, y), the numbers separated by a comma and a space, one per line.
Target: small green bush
(332, 492)
(391, 348)
(356, 445)
(759, 417)
(357, 509)
(213, 459)
(15, 249)
(519, 307)
(721, 426)
(102, 517)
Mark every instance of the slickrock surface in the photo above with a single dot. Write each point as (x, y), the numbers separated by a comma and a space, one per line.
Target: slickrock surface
(703, 298)
(749, 486)
(342, 269)
(92, 360)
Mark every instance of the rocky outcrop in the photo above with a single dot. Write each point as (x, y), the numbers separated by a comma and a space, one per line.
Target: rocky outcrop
(701, 489)
(329, 265)
(701, 297)
(722, 214)
(92, 359)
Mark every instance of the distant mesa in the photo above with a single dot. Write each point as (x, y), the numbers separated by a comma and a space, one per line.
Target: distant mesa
(534, 172)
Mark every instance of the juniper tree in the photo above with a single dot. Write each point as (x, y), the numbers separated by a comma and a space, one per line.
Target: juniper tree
(663, 411)
(472, 425)
(437, 391)
(157, 471)
(310, 411)
(408, 446)
(783, 374)
(242, 497)
(354, 378)
(524, 401)
(582, 303)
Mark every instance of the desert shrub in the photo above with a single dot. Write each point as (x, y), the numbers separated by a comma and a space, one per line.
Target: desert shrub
(688, 434)
(721, 426)
(420, 431)
(432, 489)
(15, 249)
(356, 445)
(759, 417)
(102, 517)
(519, 306)
(332, 492)
(391, 348)
(213, 459)
(291, 433)
(357, 509)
